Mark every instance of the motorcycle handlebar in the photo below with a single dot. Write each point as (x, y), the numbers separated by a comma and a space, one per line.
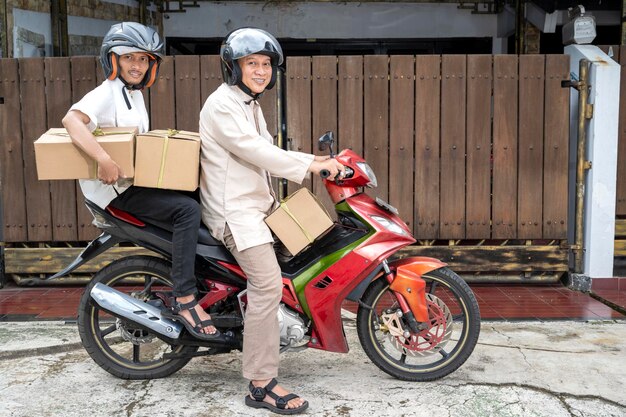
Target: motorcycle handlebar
(324, 173)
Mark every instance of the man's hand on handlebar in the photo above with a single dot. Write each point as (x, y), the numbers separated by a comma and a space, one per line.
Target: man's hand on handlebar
(327, 168)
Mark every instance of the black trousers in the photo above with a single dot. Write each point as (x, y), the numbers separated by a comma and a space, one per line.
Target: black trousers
(182, 213)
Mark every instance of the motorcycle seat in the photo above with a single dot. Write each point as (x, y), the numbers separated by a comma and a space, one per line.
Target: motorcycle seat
(204, 237)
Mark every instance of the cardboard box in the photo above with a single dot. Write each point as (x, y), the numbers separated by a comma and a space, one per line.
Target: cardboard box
(299, 220)
(168, 159)
(57, 158)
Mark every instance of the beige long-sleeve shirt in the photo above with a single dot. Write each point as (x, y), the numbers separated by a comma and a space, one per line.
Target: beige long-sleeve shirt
(238, 157)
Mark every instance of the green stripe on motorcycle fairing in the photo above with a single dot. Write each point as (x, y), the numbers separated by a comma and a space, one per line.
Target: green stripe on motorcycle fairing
(304, 278)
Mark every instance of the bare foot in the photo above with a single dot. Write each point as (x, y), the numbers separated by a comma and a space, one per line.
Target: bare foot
(203, 315)
(280, 391)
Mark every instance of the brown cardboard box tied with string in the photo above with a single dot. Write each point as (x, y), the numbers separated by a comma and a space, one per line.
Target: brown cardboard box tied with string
(299, 220)
(168, 159)
(57, 158)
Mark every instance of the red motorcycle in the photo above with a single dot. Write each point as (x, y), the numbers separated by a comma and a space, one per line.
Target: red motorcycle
(416, 320)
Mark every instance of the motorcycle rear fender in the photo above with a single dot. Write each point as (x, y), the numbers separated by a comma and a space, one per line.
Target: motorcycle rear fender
(409, 283)
(101, 244)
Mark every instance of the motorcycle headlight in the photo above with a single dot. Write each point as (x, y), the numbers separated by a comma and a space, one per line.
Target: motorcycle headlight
(363, 166)
(389, 225)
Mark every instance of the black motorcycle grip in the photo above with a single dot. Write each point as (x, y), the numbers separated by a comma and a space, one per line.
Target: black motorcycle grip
(324, 173)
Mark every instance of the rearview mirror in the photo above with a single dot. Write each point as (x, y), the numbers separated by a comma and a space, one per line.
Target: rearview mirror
(327, 141)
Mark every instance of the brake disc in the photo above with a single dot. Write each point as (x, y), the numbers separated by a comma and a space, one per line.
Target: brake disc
(134, 336)
(428, 341)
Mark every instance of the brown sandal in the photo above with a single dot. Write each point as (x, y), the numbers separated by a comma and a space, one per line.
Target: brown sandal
(196, 331)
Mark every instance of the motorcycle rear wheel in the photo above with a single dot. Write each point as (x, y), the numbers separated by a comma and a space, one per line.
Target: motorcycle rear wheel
(118, 347)
(433, 353)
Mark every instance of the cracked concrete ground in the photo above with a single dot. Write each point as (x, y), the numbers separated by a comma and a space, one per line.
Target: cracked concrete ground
(518, 369)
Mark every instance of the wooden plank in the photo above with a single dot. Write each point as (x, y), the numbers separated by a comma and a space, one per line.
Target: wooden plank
(620, 228)
(453, 107)
(530, 147)
(504, 197)
(211, 75)
(620, 248)
(487, 259)
(401, 114)
(62, 193)
(162, 97)
(427, 131)
(620, 208)
(187, 70)
(298, 108)
(99, 72)
(84, 79)
(33, 95)
(555, 150)
(269, 109)
(478, 197)
(459, 258)
(350, 129)
(324, 108)
(376, 120)
(14, 226)
(52, 260)
(269, 103)
(83, 73)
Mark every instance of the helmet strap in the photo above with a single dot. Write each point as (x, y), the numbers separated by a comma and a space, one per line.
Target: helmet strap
(130, 86)
(126, 98)
(245, 89)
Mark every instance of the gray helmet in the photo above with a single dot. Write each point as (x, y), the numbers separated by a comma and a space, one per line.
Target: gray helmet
(129, 37)
(247, 41)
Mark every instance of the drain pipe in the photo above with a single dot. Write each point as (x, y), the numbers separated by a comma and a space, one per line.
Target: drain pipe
(585, 112)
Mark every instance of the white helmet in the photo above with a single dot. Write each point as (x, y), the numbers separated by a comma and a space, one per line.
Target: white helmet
(247, 41)
(128, 37)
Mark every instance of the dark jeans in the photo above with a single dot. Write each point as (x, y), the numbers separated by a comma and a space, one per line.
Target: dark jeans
(179, 211)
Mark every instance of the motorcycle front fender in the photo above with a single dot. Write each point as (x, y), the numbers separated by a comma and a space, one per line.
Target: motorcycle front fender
(97, 246)
(409, 283)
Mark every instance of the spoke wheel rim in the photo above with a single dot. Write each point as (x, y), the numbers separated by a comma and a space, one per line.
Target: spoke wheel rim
(448, 327)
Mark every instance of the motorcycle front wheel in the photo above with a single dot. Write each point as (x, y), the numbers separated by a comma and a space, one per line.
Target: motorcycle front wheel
(444, 343)
(116, 345)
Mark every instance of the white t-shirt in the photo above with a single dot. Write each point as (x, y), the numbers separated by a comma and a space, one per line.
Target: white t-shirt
(106, 107)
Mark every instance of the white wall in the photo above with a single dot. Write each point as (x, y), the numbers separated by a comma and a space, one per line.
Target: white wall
(87, 26)
(329, 20)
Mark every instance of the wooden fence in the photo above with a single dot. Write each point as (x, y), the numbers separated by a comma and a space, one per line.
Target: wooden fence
(467, 147)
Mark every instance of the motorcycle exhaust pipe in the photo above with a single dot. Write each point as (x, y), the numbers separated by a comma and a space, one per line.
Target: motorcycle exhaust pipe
(137, 311)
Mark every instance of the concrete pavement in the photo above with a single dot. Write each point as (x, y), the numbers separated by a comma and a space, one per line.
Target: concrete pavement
(530, 368)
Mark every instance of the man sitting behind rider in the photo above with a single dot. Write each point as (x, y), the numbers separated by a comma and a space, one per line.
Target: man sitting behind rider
(130, 56)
